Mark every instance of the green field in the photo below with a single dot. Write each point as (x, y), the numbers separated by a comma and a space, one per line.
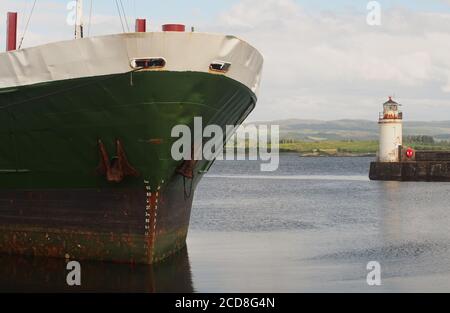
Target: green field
(348, 148)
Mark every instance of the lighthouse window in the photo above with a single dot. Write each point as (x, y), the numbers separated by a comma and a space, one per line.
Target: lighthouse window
(220, 66)
(148, 63)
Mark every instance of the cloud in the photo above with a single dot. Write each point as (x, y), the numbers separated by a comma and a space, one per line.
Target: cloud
(318, 63)
(332, 64)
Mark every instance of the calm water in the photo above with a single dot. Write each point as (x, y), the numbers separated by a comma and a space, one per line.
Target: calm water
(313, 225)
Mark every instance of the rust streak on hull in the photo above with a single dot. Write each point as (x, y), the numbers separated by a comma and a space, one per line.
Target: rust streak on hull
(120, 225)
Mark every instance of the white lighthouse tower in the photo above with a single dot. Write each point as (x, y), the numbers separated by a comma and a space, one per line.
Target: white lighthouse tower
(391, 132)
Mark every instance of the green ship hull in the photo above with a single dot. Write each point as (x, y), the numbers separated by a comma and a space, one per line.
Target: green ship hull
(86, 170)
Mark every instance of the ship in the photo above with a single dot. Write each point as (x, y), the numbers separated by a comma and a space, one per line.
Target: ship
(86, 171)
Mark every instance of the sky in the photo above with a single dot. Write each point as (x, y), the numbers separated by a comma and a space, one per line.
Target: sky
(322, 59)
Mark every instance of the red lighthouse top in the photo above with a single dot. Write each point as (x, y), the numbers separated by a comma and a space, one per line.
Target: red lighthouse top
(391, 111)
(390, 101)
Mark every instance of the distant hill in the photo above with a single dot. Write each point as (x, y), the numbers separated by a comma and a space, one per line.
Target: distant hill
(347, 129)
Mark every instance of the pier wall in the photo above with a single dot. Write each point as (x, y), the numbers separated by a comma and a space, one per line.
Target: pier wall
(411, 171)
(421, 166)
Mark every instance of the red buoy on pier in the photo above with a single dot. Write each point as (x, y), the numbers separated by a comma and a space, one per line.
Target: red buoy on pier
(410, 153)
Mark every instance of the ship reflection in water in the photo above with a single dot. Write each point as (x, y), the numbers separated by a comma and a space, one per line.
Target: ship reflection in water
(311, 226)
(26, 274)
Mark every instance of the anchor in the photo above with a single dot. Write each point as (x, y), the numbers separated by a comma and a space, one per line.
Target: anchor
(186, 168)
(117, 168)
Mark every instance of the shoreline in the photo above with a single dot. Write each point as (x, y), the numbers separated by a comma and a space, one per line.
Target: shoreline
(356, 155)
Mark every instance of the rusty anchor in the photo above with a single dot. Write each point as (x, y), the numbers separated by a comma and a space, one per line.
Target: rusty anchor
(186, 168)
(117, 168)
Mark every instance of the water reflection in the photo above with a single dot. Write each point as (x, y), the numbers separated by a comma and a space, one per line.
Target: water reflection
(24, 274)
(314, 225)
(414, 211)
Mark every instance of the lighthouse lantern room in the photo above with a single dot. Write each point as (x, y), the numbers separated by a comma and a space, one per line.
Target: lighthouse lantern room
(391, 132)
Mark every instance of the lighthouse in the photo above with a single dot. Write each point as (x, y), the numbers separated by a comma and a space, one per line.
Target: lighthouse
(391, 132)
(398, 163)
